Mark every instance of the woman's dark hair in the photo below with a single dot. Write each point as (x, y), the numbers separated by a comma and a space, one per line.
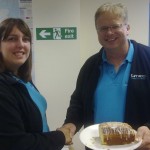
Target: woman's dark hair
(6, 26)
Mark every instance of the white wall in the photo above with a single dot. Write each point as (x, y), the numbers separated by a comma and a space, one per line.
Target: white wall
(57, 63)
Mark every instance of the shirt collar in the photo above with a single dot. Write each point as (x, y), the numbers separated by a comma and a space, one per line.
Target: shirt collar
(129, 56)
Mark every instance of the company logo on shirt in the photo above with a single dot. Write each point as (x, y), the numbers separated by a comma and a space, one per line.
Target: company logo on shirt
(138, 76)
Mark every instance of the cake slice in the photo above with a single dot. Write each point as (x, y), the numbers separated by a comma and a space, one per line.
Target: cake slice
(116, 133)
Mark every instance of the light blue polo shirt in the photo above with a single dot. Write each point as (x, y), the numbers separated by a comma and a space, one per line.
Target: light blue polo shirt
(110, 94)
(39, 101)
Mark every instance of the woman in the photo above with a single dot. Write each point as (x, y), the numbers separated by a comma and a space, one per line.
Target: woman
(23, 124)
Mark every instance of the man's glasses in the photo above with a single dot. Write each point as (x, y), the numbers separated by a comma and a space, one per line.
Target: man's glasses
(113, 28)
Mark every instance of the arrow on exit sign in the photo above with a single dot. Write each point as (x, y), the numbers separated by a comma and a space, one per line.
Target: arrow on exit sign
(44, 34)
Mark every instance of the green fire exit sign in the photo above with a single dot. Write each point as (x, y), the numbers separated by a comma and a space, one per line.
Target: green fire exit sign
(56, 33)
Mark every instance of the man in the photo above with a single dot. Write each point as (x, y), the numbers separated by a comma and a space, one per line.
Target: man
(114, 84)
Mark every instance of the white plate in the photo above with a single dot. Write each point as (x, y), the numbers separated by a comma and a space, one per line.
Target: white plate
(90, 138)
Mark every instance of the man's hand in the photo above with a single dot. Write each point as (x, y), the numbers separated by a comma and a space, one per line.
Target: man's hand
(66, 133)
(143, 133)
(71, 127)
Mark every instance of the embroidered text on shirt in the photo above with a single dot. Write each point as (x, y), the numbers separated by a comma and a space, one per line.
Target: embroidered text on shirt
(136, 76)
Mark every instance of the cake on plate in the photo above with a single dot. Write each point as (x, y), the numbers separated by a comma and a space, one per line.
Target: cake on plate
(116, 133)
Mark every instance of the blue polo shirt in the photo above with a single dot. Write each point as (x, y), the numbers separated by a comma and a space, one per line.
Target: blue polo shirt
(110, 94)
(39, 101)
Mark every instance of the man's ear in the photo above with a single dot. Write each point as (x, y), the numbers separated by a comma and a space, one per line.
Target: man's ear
(128, 29)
